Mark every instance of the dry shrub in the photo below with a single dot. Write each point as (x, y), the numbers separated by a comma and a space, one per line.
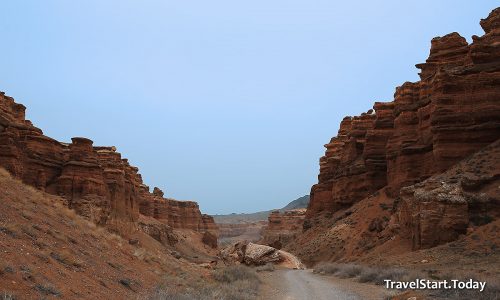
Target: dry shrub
(342, 270)
(269, 267)
(7, 295)
(491, 292)
(375, 275)
(10, 229)
(234, 273)
(394, 274)
(369, 275)
(28, 230)
(326, 268)
(47, 289)
(66, 212)
(348, 270)
(67, 258)
(231, 283)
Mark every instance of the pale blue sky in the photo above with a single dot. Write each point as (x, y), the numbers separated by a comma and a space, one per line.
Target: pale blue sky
(227, 103)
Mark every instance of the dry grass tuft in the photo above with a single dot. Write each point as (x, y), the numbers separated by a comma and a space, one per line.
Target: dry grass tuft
(47, 289)
(7, 296)
(10, 228)
(67, 258)
(269, 267)
(326, 268)
(349, 271)
(375, 275)
(235, 282)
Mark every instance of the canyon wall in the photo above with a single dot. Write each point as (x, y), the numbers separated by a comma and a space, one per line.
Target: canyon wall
(282, 227)
(431, 125)
(177, 214)
(94, 181)
(231, 233)
(445, 206)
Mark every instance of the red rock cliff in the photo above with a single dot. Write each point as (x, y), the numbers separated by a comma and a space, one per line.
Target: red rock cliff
(95, 181)
(452, 112)
(177, 214)
(282, 227)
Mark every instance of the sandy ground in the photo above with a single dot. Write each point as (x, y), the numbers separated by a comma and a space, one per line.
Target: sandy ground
(284, 284)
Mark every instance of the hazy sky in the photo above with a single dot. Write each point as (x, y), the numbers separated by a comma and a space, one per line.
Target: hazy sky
(228, 103)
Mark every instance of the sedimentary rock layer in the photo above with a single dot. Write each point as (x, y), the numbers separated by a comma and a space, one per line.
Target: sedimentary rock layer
(95, 181)
(177, 214)
(447, 205)
(283, 227)
(452, 112)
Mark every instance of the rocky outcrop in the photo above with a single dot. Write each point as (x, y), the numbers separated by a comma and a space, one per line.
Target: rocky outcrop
(283, 227)
(445, 206)
(255, 255)
(432, 124)
(94, 181)
(158, 230)
(176, 214)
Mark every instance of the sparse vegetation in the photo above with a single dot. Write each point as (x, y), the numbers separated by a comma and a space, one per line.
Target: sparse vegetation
(234, 273)
(265, 268)
(491, 292)
(231, 283)
(29, 231)
(369, 274)
(125, 282)
(47, 289)
(67, 258)
(6, 269)
(9, 229)
(326, 268)
(375, 275)
(348, 271)
(7, 296)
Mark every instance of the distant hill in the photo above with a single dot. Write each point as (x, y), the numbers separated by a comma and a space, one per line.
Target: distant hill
(301, 202)
(234, 218)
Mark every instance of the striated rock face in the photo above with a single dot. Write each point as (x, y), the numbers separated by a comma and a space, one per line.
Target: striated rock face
(95, 181)
(283, 227)
(432, 124)
(443, 207)
(158, 230)
(177, 214)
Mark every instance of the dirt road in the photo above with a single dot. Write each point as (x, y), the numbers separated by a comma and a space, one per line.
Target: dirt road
(304, 285)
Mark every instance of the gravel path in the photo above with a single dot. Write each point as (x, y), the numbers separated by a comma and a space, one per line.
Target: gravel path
(304, 285)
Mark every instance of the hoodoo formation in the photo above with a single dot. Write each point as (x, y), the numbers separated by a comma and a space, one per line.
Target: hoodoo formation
(94, 181)
(429, 127)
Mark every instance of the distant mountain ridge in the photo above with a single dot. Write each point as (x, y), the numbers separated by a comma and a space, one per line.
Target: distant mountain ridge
(235, 218)
(301, 202)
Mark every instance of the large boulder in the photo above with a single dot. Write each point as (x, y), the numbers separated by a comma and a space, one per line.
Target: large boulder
(254, 255)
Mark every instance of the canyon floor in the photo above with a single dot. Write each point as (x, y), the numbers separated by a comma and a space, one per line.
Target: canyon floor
(284, 284)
